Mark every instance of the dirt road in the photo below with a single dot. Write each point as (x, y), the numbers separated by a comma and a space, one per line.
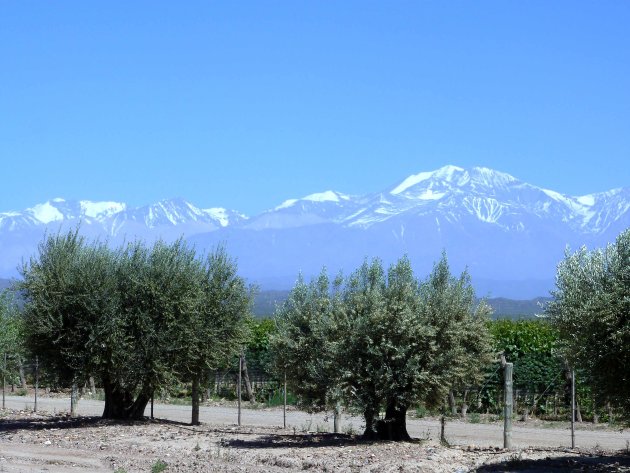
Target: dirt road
(457, 432)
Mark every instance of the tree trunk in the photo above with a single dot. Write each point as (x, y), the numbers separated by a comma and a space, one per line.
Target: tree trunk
(337, 419)
(92, 385)
(464, 405)
(370, 415)
(248, 385)
(610, 413)
(451, 402)
(394, 426)
(578, 412)
(595, 414)
(195, 401)
(21, 369)
(120, 404)
(205, 393)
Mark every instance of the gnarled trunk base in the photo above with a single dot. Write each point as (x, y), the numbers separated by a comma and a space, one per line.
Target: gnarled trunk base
(121, 405)
(394, 426)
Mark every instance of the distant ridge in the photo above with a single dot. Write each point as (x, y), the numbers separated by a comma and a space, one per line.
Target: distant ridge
(265, 304)
(508, 233)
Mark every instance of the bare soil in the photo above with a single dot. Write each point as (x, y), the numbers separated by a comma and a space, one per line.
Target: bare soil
(57, 443)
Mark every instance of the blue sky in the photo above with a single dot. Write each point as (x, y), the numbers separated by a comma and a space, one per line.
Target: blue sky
(244, 105)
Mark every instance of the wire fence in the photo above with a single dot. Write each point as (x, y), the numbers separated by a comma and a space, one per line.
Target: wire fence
(475, 403)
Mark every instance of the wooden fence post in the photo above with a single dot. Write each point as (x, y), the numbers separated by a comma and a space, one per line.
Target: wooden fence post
(238, 387)
(73, 400)
(572, 408)
(4, 381)
(508, 407)
(36, 381)
(284, 403)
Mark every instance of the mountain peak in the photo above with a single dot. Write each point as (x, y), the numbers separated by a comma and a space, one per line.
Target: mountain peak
(46, 212)
(445, 172)
(489, 178)
(326, 196)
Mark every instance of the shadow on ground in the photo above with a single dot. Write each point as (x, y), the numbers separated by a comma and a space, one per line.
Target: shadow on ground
(592, 463)
(67, 422)
(299, 441)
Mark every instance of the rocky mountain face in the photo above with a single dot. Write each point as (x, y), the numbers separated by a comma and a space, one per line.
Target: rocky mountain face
(508, 233)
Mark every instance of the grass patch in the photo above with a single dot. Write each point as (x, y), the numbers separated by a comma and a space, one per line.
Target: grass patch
(158, 467)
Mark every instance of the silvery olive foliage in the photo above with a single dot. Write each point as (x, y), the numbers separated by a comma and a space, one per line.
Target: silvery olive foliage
(136, 317)
(591, 309)
(381, 341)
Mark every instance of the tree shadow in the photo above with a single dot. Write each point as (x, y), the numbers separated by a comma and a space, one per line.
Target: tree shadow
(64, 421)
(302, 441)
(594, 463)
(53, 422)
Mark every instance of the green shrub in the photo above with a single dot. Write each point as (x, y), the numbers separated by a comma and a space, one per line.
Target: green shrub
(158, 467)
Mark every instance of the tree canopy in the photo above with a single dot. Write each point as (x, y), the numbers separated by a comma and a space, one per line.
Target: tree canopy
(591, 309)
(137, 317)
(381, 340)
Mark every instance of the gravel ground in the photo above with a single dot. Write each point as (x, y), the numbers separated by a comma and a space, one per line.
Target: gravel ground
(532, 434)
(54, 442)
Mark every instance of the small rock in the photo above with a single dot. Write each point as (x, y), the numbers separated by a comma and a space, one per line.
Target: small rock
(47, 442)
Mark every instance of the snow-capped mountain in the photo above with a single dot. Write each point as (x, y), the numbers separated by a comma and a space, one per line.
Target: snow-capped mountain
(114, 216)
(510, 234)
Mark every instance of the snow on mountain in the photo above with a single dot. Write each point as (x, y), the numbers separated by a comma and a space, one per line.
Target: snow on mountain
(501, 228)
(326, 196)
(45, 212)
(115, 217)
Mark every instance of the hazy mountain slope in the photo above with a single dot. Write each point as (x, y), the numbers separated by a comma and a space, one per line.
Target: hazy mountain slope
(509, 233)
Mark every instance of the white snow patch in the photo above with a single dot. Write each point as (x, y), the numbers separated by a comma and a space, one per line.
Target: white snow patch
(485, 209)
(490, 177)
(286, 204)
(327, 196)
(446, 173)
(220, 214)
(384, 211)
(411, 181)
(101, 209)
(557, 196)
(46, 213)
(430, 195)
(588, 200)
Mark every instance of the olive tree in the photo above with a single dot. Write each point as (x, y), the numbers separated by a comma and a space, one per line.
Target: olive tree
(303, 345)
(591, 307)
(11, 336)
(136, 317)
(461, 336)
(216, 330)
(69, 293)
(383, 341)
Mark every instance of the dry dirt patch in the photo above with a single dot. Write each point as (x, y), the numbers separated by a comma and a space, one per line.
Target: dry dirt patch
(30, 442)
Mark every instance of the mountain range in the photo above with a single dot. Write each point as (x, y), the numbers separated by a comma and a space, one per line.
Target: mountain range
(508, 233)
